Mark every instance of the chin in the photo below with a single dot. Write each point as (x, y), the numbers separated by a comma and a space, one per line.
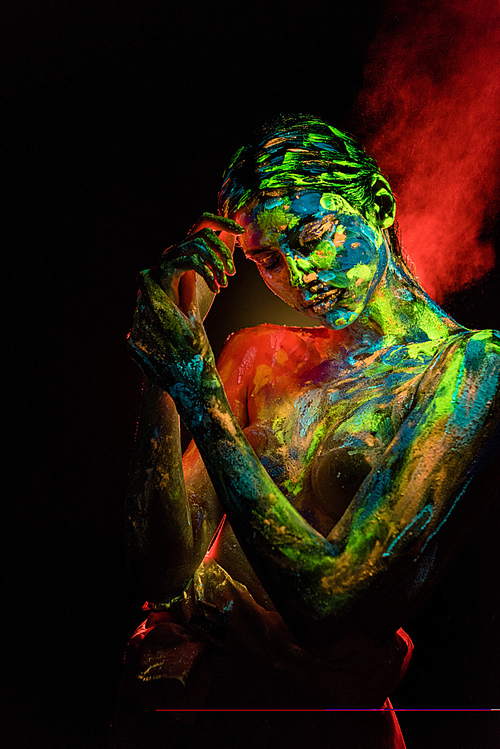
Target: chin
(342, 315)
(335, 319)
(340, 318)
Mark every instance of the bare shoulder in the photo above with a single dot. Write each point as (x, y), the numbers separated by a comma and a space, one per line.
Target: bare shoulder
(480, 363)
(461, 388)
(472, 354)
(272, 337)
(274, 345)
(480, 345)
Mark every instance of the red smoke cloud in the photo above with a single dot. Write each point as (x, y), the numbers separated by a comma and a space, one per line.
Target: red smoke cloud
(430, 114)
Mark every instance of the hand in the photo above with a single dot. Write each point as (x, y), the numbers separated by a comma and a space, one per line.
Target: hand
(204, 252)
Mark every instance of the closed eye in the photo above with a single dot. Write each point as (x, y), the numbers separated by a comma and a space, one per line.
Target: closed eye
(306, 236)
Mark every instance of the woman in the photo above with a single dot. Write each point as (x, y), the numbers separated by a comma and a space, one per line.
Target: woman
(340, 464)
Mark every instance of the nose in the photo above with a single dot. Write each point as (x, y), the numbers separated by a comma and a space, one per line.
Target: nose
(293, 271)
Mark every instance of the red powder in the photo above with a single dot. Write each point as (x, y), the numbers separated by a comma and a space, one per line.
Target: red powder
(430, 114)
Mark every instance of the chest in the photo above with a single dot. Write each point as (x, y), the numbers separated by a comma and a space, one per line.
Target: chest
(328, 426)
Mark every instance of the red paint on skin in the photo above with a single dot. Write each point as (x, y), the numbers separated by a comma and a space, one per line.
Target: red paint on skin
(430, 113)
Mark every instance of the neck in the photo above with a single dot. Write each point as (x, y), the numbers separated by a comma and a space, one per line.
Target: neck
(400, 312)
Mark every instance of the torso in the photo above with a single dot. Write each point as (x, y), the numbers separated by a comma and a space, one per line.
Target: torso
(320, 421)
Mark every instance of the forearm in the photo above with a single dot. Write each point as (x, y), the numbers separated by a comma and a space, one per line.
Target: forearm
(287, 554)
(364, 572)
(164, 546)
(290, 558)
(159, 530)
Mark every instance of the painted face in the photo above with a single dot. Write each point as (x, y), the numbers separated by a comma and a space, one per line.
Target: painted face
(315, 252)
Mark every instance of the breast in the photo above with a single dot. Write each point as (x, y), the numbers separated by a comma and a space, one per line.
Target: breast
(318, 445)
(338, 470)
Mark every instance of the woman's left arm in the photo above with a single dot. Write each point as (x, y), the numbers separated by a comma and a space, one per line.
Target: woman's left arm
(319, 584)
(434, 483)
(408, 519)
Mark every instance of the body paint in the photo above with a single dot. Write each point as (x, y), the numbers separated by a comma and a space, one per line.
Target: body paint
(318, 235)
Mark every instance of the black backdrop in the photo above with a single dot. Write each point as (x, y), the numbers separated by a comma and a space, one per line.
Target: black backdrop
(121, 118)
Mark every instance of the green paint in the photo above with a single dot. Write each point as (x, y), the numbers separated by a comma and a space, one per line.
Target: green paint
(359, 271)
(273, 219)
(334, 202)
(302, 263)
(324, 256)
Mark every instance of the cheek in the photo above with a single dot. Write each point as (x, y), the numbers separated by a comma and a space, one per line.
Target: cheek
(308, 265)
(272, 279)
(280, 285)
(361, 275)
(324, 256)
(360, 245)
(356, 255)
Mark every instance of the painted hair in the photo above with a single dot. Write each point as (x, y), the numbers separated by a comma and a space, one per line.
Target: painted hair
(299, 150)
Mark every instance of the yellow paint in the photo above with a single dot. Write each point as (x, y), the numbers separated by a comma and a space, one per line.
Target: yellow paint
(281, 357)
(330, 201)
(263, 374)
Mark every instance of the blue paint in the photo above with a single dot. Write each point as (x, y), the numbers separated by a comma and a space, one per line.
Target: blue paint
(272, 203)
(425, 513)
(308, 204)
(445, 518)
(380, 488)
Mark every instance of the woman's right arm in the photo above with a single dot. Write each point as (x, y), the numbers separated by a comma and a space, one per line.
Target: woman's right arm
(172, 510)
(170, 519)
(375, 565)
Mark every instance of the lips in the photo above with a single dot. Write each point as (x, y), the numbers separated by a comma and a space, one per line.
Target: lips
(324, 298)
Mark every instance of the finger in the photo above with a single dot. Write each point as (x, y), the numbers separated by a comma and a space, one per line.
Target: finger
(207, 262)
(222, 248)
(194, 254)
(229, 240)
(183, 253)
(207, 248)
(208, 275)
(217, 223)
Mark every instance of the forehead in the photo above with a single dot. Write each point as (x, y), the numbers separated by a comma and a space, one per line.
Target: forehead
(278, 210)
(269, 218)
(301, 202)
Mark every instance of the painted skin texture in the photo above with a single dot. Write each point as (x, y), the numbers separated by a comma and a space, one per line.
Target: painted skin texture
(347, 458)
(315, 252)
